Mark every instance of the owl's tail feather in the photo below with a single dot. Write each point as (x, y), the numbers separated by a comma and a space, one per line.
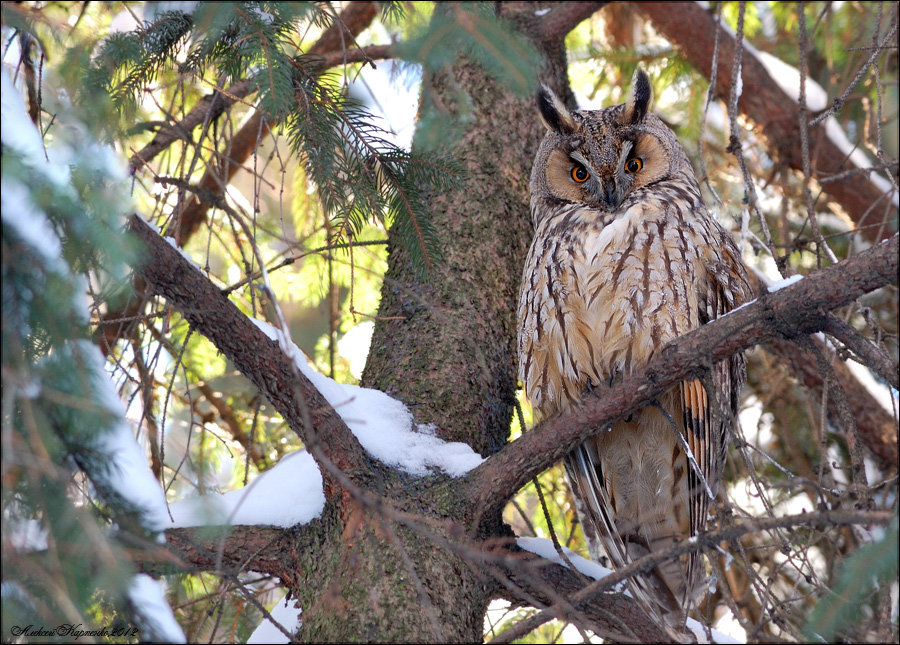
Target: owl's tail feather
(664, 591)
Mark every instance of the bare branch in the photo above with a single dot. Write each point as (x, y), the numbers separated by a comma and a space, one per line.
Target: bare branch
(237, 549)
(839, 101)
(870, 353)
(877, 428)
(535, 580)
(595, 601)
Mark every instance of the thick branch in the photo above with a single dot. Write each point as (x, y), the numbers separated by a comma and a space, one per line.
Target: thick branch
(536, 581)
(615, 611)
(258, 358)
(875, 425)
(563, 17)
(792, 311)
(236, 549)
(356, 17)
(209, 108)
(693, 30)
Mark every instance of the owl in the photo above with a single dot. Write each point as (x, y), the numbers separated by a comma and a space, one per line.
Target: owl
(625, 258)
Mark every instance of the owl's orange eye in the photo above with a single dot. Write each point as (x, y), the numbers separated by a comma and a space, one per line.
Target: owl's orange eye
(634, 165)
(580, 174)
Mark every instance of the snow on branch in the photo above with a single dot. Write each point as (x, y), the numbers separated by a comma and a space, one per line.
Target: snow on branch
(344, 421)
(593, 602)
(258, 358)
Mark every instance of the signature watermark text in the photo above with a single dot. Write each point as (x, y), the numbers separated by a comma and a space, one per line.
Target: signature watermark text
(74, 632)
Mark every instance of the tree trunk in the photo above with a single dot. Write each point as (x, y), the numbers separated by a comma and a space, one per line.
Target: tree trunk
(381, 581)
(445, 346)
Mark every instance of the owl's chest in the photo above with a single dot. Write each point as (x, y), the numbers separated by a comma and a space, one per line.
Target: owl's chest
(600, 300)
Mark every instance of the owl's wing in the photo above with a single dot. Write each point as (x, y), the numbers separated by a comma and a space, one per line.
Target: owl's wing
(708, 420)
(704, 438)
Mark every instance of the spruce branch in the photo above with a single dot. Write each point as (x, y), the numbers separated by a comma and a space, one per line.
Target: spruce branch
(328, 52)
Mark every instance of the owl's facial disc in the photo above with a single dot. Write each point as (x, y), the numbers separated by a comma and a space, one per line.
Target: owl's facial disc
(603, 183)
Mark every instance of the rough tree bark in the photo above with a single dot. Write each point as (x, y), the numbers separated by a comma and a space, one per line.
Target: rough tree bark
(467, 310)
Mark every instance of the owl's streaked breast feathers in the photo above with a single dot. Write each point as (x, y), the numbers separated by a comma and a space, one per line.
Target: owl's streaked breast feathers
(626, 258)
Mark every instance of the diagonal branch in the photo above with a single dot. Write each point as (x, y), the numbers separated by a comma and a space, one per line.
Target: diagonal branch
(870, 353)
(793, 311)
(693, 31)
(876, 426)
(562, 18)
(259, 358)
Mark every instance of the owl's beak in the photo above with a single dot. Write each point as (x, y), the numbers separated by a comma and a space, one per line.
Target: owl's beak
(608, 193)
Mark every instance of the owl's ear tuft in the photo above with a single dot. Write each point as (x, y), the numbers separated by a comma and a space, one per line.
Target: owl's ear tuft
(639, 98)
(553, 113)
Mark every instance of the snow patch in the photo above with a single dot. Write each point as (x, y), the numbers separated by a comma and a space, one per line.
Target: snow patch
(781, 284)
(287, 494)
(146, 595)
(30, 222)
(383, 425)
(354, 346)
(546, 549)
(129, 472)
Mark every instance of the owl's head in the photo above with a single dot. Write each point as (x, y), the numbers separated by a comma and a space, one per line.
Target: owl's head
(599, 158)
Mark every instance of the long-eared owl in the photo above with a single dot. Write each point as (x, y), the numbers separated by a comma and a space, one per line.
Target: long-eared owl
(625, 258)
